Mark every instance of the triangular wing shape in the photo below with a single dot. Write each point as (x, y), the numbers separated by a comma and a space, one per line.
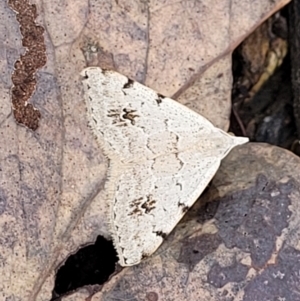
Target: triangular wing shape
(162, 155)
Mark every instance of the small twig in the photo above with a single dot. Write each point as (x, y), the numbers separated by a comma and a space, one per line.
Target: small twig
(239, 121)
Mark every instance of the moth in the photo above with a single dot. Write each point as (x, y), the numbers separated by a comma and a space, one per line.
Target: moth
(162, 156)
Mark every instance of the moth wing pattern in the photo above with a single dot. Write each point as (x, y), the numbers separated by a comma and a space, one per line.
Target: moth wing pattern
(142, 220)
(162, 156)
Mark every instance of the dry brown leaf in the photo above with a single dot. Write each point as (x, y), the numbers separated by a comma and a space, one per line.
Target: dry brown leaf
(51, 179)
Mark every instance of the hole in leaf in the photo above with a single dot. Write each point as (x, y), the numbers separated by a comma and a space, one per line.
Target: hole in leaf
(92, 264)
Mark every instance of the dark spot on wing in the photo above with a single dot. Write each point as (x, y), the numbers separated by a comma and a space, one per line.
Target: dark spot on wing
(104, 70)
(135, 204)
(159, 98)
(119, 117)
(184, 207)
(149, 204)
(130, 115)
(129, 84)
(144, 256)
(161, 234)
(141, 206)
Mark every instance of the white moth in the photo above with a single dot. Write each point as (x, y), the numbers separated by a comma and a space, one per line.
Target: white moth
(162, 156)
